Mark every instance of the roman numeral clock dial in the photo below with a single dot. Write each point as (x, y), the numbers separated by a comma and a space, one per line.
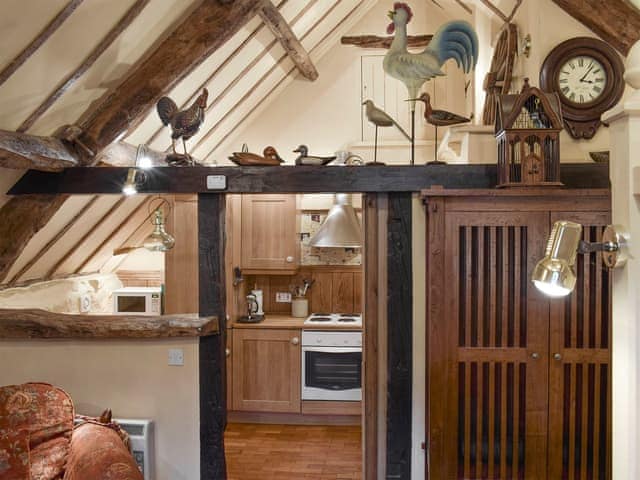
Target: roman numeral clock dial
(587, 75)
(582, 79)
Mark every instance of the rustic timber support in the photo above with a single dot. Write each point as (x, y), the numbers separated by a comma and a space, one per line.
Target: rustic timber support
(34, 323)
(399, 336)
(374, 41)
(212, 361)
(22, 151)
(617, 22)
(274, 20)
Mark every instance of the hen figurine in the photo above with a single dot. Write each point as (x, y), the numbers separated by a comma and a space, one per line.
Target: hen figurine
(455, 40)
(184, 123)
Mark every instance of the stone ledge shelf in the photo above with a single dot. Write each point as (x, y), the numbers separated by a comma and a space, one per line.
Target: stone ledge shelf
(33, 324)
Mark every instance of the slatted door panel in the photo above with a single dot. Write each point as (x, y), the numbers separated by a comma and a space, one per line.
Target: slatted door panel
(580, 368)
(498, 331)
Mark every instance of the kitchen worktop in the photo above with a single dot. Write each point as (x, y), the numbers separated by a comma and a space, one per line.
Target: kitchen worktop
(287, 321)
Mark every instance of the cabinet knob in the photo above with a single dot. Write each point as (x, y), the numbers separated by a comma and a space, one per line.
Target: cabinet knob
(227, 352)
(557, 356)
(535, 355)
(295, 341)
(289, 259)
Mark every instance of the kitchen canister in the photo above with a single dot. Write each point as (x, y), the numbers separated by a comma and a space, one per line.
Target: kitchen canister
(300, 307)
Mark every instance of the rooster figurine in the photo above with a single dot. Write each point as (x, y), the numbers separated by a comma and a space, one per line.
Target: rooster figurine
(184, 123)
(455, 40)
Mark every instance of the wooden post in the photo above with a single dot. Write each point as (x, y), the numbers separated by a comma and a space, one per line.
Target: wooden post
(399, 336)
(212, 362)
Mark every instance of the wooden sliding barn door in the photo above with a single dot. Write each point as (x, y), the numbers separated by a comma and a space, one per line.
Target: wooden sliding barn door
(580, 366)
(494, 384)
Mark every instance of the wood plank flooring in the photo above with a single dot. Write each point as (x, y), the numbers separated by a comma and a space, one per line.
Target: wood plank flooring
(269, 452)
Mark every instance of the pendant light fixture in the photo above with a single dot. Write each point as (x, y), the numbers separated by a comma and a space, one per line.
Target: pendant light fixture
(159, 240)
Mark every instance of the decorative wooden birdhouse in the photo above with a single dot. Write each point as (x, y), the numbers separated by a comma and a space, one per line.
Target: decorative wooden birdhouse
(528, 129)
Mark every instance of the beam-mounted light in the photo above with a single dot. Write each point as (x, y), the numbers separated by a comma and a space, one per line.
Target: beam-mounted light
(134, 179)
(554, 275)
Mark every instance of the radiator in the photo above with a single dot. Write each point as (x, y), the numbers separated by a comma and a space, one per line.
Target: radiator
(141, 435)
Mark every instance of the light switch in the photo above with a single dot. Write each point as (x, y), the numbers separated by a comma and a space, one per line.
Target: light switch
(283, 297)
(176, 357)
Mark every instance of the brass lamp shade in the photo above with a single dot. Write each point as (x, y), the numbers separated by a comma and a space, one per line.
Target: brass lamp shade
(554, 275)
(159, 240)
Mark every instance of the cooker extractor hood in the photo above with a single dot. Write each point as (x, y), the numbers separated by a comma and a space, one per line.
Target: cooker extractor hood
(341, 228)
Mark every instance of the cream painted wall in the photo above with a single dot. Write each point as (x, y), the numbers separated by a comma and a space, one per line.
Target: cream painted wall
(130, 377)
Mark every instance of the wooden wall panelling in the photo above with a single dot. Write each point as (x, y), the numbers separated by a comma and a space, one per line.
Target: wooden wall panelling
(212, 361)
(358, 306)
(400, 336)
(342, 285)
(322, 292)
(580, 377)
(181, 262)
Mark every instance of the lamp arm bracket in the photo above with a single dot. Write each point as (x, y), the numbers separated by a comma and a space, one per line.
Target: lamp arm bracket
(590, 247)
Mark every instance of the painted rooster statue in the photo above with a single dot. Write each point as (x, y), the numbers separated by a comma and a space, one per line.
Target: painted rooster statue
(184, 123)
(455, 40)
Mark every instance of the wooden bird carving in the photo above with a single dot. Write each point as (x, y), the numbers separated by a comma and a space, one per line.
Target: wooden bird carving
(439, 118)
(456, 40)
(184, 123)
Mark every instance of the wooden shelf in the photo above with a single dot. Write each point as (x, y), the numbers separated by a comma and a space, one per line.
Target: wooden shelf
(33, 323)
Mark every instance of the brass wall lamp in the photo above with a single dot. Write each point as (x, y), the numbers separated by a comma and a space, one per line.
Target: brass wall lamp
(554, 275)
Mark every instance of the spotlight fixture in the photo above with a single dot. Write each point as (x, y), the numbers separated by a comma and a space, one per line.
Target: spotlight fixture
(134, 179)
(159, 240)
(143, 160)
(554, 275)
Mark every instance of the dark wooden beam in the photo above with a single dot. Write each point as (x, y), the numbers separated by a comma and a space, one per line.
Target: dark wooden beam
(274, 20)
(22, 151)
(37, 42)
(45, 250)
(374, 41)
(290, 179)
(68, 82)
(33, 323)
(212, 358)
(201, 33)
(399, 336)
(617, 22)
(21, 218)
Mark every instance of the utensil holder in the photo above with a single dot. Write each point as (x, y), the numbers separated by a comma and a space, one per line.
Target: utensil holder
(300, 307)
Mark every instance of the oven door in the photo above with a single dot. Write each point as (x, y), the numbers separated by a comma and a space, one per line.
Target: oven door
(331, 373)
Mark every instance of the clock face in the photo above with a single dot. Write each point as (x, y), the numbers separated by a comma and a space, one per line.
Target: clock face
(582, 79)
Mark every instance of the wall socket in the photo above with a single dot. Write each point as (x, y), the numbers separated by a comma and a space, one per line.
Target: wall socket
(283, 297)
(176, 357)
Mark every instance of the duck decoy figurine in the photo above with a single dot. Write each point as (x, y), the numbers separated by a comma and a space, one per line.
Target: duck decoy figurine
(380, 118)
(305, 159)
(439, 118)
(246, 159)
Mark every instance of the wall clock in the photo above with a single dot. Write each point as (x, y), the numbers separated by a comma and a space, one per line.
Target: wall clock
(587, 74)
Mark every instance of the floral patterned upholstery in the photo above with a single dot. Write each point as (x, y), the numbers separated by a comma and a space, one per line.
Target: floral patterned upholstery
(38, 441)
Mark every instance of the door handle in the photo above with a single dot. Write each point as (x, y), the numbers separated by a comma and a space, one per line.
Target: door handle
(295, 341)
(535, 355)
(557, 356)
(227, 352)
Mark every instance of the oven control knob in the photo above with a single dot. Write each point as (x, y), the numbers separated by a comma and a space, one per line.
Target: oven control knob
(295, 341)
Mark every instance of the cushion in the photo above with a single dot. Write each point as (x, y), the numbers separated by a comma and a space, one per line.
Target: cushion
(48, 459)
(14, 455)
(98, 453)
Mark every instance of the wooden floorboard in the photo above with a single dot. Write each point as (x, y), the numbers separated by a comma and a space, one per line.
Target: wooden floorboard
(269, 452)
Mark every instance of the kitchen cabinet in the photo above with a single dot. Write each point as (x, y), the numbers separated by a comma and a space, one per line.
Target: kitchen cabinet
(269, 233)
(266, 370)
(519, 384)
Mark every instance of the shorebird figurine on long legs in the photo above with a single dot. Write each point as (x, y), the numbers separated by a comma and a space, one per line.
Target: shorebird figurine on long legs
(455, 40)
(438, 118)
(380, 118)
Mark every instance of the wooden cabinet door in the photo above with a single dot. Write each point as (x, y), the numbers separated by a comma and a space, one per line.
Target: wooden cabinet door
(266, 370)
(580, 366)
(488, 347)
(269, 239)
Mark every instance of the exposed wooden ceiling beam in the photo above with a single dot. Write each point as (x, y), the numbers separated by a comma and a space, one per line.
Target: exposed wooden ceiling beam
(201, 33)
(37, 42)
(16, 277)
(615, 21)
(22, 151)
(274, 20)
(68, 82)
(20, 220)
(374, 41)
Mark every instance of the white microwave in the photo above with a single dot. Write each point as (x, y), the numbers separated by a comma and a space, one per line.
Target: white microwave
(137, 301)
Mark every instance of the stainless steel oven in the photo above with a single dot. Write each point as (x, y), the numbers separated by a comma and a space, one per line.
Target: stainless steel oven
(332, 365)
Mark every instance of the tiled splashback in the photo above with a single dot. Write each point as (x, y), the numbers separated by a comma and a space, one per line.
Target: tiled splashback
(321, 255)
